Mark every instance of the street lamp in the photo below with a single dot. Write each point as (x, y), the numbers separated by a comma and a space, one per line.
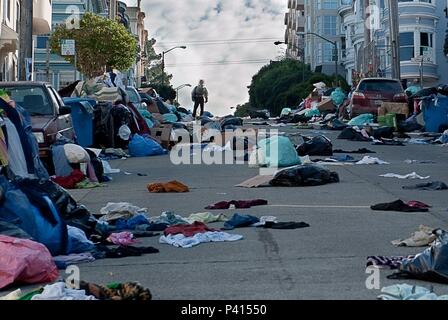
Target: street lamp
(334, 43)
(303, 57)
(181, 87)
(163, 61)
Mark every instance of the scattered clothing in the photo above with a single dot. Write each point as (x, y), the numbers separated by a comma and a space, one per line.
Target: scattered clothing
(388, 142)
(392, 263)
(370, 160)
(264, 220)
(122, 210)
(423, 237)
(86, 184)
(62, 262)
(408, 292)
(412, 175)
(430, 265)
(206, 217)
(117, 292)
(430, 186)
(169, 219)
(180, 241)
(172, 186)
(131, 223)
(343, 158)
(238, 204)
(399, 205)
(285, 225)
(70, 181)
(104, 252)
(122, 238)
(359, 151)
(240, 221)
(188, 230)
(58, 291)
(15, 295)
(300, 176)
(419, 161)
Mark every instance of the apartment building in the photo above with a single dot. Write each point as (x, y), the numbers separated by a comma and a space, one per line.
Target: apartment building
(295, 23)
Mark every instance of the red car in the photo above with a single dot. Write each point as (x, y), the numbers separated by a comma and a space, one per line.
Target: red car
(372, 92)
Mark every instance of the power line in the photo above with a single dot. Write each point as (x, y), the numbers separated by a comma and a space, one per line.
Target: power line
(219, 63)
(212, 43)
(218, 40)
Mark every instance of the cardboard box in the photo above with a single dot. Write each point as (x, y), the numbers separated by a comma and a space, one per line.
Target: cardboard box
(162, 135)
(153, 108)
(393, 107)
(326, 106)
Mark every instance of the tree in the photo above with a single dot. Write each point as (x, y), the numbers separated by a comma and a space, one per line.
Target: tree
(167, 92)
(154, 73)
(242, 110)
(284, 84)
(100, 42)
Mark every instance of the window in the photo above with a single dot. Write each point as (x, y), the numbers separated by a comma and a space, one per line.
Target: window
(33, 99)
(327, 25)
(407, 46)
(426, 44)
(8, 9)
(41, 42)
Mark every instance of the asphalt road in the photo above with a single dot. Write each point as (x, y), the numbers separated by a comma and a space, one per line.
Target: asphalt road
(325, 261)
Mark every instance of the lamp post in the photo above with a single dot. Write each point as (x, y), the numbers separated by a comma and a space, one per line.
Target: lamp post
(302, 52)
(336, 51)
(181, 87)
(163, 61)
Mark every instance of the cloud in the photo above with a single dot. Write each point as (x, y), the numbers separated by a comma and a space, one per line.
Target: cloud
(174, 22)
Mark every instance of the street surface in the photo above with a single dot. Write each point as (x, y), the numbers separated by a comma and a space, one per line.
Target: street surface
(325, 261)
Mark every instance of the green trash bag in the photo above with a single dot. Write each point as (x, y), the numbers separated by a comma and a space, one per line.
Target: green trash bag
(285, 112)
(312, 112)
(338, 96)
(277, 151)
(361, 120)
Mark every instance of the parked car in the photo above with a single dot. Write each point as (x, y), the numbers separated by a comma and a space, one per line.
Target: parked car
(372, 92)
(135, 98)
(49, 115)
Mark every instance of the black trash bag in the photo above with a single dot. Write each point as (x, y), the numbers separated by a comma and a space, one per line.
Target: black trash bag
(425, 93)
(12, 230)
(231, 121)
(307, 175)
(258, 114)
(205, 120)
(163, 109)
(317, 146)
(73, 214)
(430, 265)
(337, 125)
(352, 134)
(97, 165)
(183, 110)
(409, 125)
(386, 132)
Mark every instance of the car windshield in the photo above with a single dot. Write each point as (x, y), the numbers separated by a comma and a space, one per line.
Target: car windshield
(133, 96)
(33, 99)
(380, 86)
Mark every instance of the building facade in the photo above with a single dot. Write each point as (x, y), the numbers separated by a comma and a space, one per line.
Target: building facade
(322, 19)
(9, 33)
(423, 26)
(295, 24)
(57, 71)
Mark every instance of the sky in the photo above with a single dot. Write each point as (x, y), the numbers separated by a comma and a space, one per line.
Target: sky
(227, 41)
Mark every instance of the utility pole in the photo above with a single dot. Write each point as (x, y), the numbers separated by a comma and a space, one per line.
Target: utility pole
(395, 38)
(25, 37)
(113, 9)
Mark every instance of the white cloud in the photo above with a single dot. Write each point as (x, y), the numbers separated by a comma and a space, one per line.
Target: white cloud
(178, 22)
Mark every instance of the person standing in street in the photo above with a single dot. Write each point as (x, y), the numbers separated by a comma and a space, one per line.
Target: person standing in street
(199, 95)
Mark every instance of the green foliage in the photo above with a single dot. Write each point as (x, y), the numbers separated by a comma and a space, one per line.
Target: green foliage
(242, 110)
(166, 91)
(100, 42)
(280, 85)
(154, 73)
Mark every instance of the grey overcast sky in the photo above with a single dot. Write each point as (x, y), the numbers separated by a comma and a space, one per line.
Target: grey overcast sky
(228, 41)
